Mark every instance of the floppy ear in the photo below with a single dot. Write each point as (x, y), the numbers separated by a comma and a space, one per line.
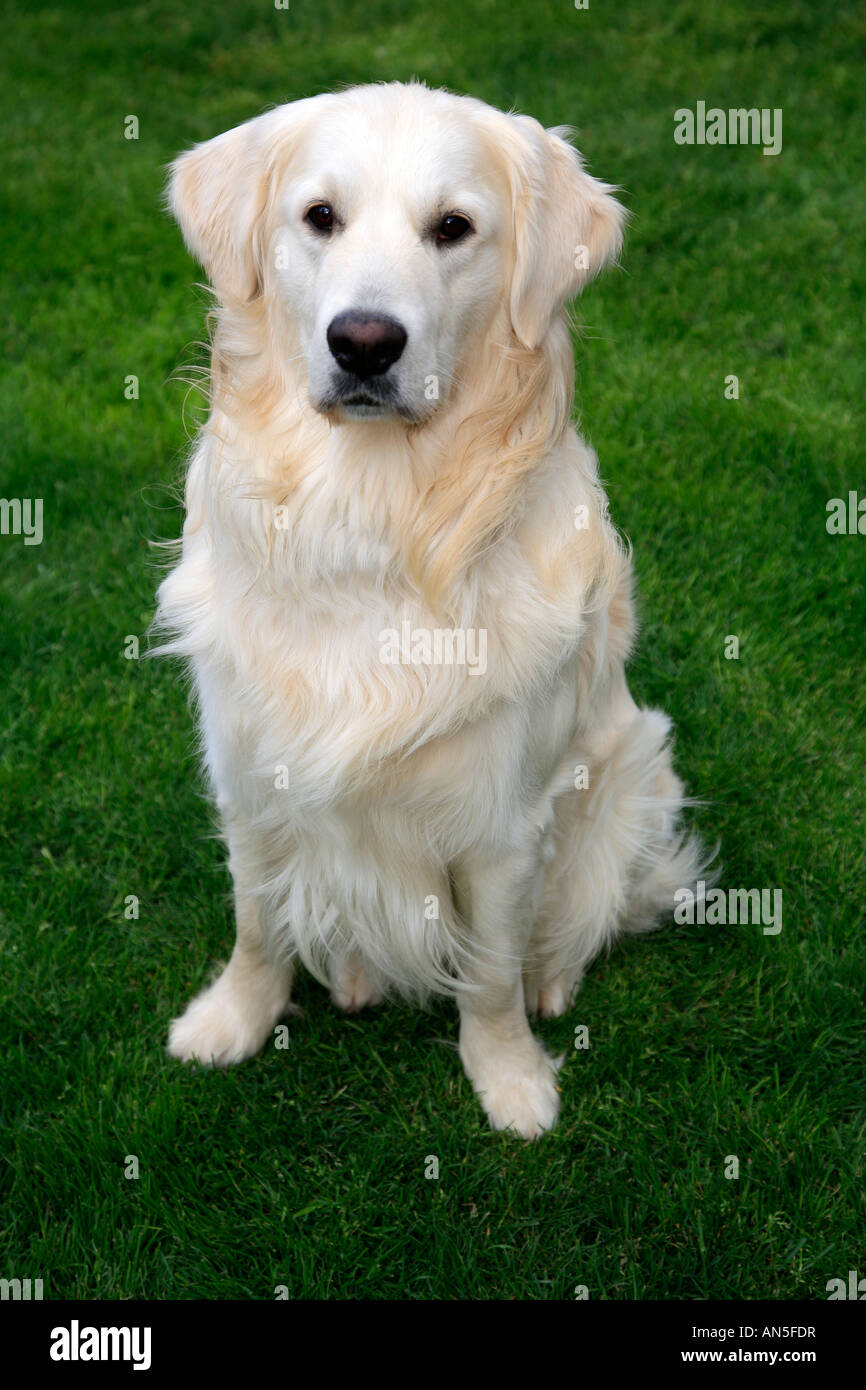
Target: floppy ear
(567, 227)
(218, 191)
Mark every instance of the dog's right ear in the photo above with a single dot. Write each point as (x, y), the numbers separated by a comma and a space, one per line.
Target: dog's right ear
(567, 227)
(218, 191)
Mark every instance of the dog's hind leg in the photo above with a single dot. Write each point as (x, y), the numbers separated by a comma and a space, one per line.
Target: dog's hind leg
(351, 986)
(621, 854)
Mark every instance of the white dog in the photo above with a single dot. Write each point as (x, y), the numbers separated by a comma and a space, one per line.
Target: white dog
(406, 611)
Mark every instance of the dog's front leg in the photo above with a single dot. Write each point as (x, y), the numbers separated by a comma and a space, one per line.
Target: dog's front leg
(234, 1016)
(514, 1077)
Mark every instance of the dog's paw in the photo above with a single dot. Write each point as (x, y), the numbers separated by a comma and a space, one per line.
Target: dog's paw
(216, 1030)
(351, 989)
(516, 1087)
(553, 998)
(524, 1101)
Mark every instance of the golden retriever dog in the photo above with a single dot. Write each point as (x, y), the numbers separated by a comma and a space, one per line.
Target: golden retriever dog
(404, 606)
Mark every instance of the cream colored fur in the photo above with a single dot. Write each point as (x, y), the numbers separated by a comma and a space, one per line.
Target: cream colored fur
(411, 827)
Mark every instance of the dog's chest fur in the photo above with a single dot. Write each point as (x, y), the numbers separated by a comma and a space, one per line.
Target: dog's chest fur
(320, 669)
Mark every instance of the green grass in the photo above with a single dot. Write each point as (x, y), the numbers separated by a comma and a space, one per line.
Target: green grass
(306, 1166)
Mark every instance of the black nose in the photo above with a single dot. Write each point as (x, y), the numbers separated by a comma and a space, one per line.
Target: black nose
(366, 344)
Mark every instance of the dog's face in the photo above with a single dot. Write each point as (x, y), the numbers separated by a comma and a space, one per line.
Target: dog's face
(391, 224)
(395, 234)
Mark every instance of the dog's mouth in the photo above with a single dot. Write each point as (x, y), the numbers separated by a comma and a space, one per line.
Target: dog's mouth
(363, 403)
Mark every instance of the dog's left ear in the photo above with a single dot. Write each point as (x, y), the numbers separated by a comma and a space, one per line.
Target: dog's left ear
(567, 227)
(218, 191)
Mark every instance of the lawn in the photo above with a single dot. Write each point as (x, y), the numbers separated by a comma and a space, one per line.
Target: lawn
(305, 1168)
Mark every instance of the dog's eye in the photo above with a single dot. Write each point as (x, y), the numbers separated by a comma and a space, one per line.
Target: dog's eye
(321, 216)
(453, 228)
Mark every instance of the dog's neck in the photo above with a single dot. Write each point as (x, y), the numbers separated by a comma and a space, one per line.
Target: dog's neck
(435, 495)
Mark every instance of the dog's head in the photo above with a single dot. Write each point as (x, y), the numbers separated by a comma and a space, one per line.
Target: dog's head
(390, 226)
